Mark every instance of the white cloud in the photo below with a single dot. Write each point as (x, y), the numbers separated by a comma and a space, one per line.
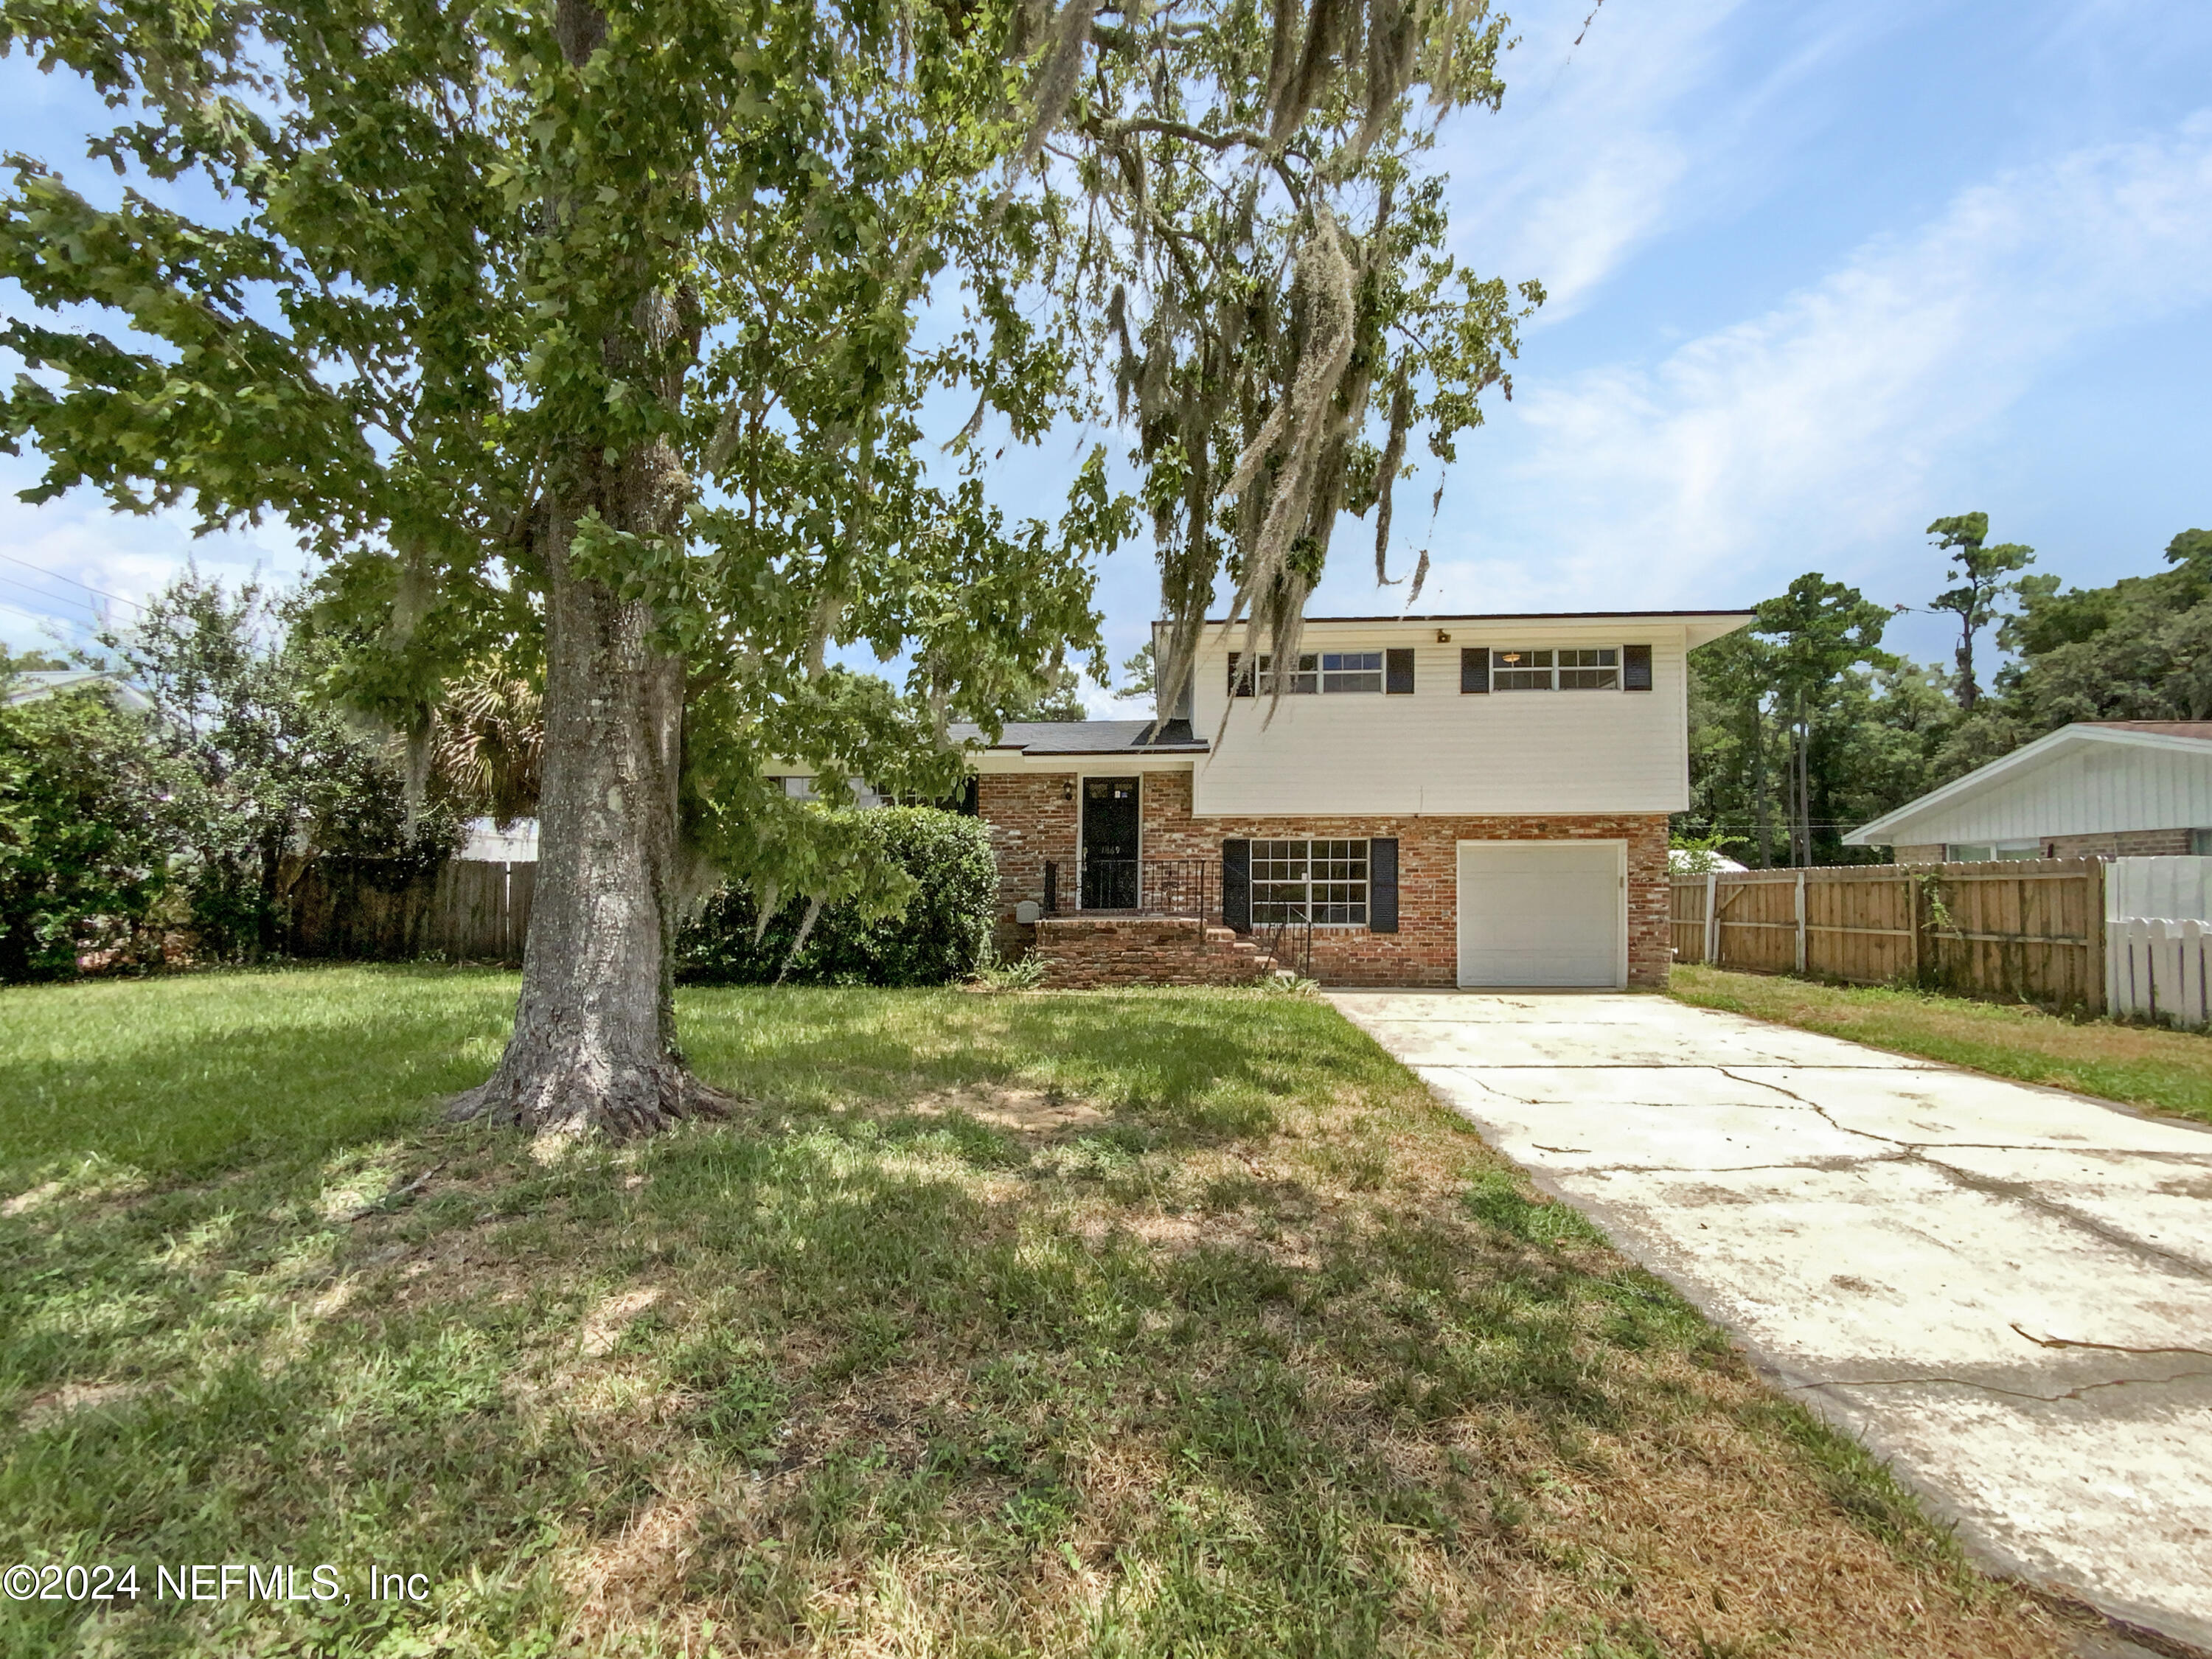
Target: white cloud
(1663, 119)
(1581, 164)
(89, 546)
(1815, 424)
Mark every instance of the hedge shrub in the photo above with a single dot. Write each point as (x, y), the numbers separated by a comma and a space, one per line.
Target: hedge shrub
(944, 934)
(86, 833)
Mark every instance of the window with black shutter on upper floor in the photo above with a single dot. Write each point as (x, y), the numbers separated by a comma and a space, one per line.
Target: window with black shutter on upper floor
(1323, 673)
(1483, 669)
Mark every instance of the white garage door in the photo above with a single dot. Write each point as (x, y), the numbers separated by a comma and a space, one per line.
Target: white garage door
(1540, 913)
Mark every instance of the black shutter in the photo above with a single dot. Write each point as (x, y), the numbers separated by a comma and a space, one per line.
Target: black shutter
(1382, 886)
(1238, 687)
(1236, 885)
(1475, 668)
(1636, 668)
(1398, 673)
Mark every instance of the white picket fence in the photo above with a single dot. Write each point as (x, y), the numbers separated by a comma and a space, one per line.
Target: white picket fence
(2158, 940)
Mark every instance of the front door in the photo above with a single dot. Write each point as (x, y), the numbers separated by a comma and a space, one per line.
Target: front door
(1109, 843)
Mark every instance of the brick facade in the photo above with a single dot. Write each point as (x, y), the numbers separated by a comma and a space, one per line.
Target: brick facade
(2109, 844)
(2119, 844)
(1081, 953)
(1032, 818)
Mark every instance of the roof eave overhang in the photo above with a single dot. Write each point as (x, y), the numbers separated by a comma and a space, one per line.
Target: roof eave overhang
(1084, 760)
(1882, 832)
(1699, 626)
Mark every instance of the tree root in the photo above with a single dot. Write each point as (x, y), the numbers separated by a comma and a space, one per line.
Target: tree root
(581, 1099)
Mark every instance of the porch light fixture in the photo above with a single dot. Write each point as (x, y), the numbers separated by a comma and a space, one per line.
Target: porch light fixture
(1442, 638)
(1067, 789)
(1509, 656)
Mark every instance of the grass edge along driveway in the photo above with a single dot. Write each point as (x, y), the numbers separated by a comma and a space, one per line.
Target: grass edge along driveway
(1144, 1323)
(2149, 1067)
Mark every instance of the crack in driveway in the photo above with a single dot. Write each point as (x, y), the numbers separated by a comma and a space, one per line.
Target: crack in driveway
(2020, 1192)
(2107, 1347)
(1990, 1388)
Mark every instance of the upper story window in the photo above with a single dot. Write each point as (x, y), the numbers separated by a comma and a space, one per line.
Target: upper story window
(1570, 668)
(1326, 672)
(1351, 670)
(1303, 682)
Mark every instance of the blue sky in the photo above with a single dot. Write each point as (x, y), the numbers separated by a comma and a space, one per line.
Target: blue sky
(1821, 270)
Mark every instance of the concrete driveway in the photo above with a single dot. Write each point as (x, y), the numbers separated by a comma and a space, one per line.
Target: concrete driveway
(2005, 1289)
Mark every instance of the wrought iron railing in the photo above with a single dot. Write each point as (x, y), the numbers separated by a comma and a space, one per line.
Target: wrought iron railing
(1156, 887)
(1109, 883)
(1292, 933)
(1183, 887)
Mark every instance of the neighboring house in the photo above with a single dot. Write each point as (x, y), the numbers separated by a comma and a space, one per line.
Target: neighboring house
(2095, 789)
(1468, 800)
(35, 684)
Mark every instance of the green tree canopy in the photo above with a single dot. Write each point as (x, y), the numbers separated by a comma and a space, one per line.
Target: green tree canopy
(1773, 706)
(1985, 575)
(589, 336)
(2139, 649)
(1263, 263)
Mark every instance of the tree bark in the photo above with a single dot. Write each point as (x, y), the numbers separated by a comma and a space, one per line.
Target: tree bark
(594, 1041)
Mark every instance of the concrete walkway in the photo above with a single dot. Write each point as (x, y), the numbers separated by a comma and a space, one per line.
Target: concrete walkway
(2005, 1289)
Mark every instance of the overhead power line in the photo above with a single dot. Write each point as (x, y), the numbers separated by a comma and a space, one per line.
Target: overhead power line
(45, 617)
(61, 610)
(71, 581)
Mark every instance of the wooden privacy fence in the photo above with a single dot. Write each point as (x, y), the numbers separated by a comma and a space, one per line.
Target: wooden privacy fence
(2025, 930)
(370, 910)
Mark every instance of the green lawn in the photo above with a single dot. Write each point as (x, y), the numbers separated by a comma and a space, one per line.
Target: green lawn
(2167, 1071)
(1155, 1323)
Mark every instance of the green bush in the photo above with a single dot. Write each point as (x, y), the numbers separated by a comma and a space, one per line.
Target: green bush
(84, 835)
(944, 933)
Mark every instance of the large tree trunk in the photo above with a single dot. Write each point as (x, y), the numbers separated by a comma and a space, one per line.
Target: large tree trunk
(594, 1042)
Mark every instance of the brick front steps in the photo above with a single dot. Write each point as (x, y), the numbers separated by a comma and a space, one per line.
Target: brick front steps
(1085, 952)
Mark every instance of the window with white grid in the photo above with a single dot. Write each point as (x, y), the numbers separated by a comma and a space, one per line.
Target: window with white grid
(1570, 668)
(1293, 880)
(1351, 670)
(1586, 668)
(1322, 671)
(1303, 682)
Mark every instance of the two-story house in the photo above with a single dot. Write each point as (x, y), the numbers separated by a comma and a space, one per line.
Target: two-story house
(1473, 801)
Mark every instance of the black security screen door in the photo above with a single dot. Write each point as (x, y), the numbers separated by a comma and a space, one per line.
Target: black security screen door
(1109, 843)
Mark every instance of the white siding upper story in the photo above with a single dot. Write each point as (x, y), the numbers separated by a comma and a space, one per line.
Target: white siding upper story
(2080, 780)
(1442, 751)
